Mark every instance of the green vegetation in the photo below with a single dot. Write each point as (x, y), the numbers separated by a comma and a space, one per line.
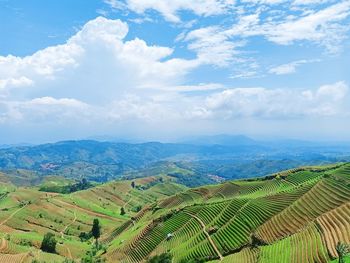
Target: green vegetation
(342, 250)
(28, 214)
(83, 184)
(298, 215)
(49, 243)
(248, 220)
(122, 211)
(96, 230)
(162, 258)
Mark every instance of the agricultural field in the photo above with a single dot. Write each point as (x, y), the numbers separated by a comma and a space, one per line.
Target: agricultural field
(27, 214)
(298, 215)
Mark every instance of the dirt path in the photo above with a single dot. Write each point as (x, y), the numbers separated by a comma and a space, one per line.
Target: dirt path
(71, 223)
(207, 234)
(38, 254)
(87, 211)
(12, 215)
(69, 253)
(3, 244)
(65, 228)
(24, 258)
(125, 204)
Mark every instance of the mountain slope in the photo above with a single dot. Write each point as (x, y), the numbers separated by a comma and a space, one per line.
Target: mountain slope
(26, 214)
(297, 215)
(248, 221)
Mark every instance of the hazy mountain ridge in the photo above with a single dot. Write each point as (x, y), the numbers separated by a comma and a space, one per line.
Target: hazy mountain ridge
(103, 161)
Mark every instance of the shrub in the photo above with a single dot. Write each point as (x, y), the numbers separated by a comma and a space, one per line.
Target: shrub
(85, 236)
(49, 243)
(136, 209)
(162, 258)
(122, 211)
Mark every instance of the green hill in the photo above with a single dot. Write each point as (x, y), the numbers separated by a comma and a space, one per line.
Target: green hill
(293, 216)
(297, 215)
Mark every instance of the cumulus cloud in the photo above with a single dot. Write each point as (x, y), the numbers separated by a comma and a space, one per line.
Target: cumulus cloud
(327, 100)
(87, 78)
(43, 110)
(96, 57)
(15, 82)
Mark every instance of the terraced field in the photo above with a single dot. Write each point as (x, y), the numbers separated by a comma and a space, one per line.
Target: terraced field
(26, 214)
(293, 216)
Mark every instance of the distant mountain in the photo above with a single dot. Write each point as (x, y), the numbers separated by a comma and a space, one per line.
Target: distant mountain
(120, 155)
(222, 139)
(201, 161)
(4, 146)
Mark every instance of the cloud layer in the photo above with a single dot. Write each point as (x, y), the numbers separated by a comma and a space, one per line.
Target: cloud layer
(102, 80)
(97, 74)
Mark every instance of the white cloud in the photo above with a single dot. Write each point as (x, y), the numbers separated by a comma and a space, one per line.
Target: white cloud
(189, 88)
(213, 46)
(268, 2)
(320, 27)
(326, 26)
(311, 2)
(15, 82)
(328, 100)
(44, 110)
(97, 56)
(98, 77)
(291, 67)
(170, 8)
(335, 92)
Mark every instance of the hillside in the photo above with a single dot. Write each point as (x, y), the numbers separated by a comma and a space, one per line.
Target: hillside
(302, 212)
(27, 214)
(297, 215)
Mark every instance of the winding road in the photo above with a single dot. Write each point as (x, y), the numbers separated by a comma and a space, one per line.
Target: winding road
(207, 234)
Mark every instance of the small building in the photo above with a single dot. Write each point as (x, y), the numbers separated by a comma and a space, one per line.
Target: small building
(169, 236)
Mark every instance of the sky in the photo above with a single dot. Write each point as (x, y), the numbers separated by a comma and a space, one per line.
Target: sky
(167, 69)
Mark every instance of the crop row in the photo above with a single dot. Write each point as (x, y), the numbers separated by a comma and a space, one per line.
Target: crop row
(18, 258)
(303, 247)
(144, 243)
(335, 226)
(323, 197)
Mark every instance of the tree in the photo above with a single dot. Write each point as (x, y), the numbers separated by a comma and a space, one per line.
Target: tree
(193, 261)
(162, 258)
(49, 243)
(342, 250)
(96, 230)
(122, 211)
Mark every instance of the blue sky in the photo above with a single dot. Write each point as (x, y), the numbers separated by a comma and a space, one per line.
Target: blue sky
(164, 69)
